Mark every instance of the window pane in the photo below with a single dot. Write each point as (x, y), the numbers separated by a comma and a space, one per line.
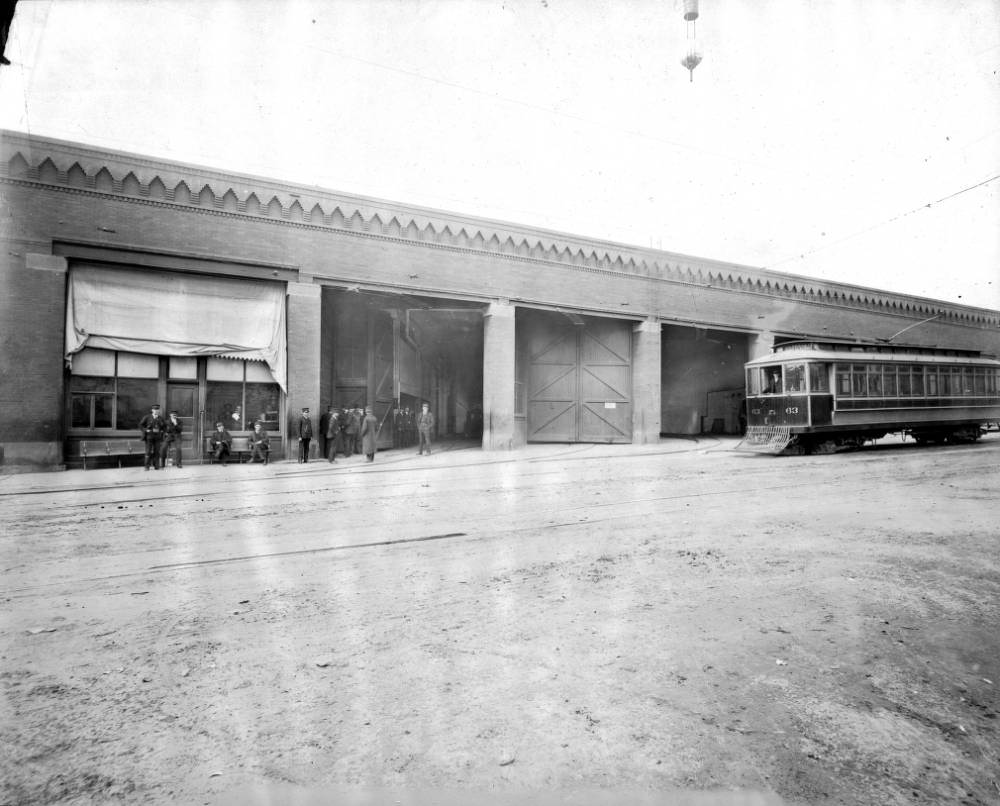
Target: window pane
(135, 365)
(795, 378)
(860, 385)
(258, 372)
(772, 380)
(753, 381)
(134, 400)
(94, 362)
(905, 390)
(944, 383)
(874, 372)
(222, 401)
(262, 398)
(964, 380)
(843, 379)
(225, 369)
(819, 378)
(930, 380)
(103, 407)
(980, 381)
(889, 381)
(183, 369)
(917, 380)
(84, 384)
(80, 411)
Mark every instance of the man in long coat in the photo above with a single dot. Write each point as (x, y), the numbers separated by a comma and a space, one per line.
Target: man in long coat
(152, 427)
(324, 426)
(369, 434)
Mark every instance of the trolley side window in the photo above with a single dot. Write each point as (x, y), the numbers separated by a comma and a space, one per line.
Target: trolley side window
(917, 381)
(859, 380)
(795, 378)
(889, 380)
(844, 380)
(819, 377)
(874, 373)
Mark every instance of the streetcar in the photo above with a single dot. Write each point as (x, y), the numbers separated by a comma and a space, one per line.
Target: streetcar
(819, 397)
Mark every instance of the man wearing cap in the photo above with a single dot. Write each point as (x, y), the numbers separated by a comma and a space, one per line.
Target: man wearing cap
(305, 435)
(152, 427)
(171, 439)
(425, 425)
(221, 442)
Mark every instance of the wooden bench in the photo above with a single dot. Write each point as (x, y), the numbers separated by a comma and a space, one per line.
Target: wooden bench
(238, 448)
(110, 448)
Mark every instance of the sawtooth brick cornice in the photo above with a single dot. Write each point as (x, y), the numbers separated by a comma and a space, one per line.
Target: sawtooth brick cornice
(66, 165)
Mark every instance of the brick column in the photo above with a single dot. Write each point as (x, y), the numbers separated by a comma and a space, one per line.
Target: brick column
(759, 345)
(303, 316)
(646, 382)
(32, 328)
(499, 351)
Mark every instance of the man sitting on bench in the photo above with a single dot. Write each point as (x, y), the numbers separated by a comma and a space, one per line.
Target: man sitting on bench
(221, 442)
(260, 445)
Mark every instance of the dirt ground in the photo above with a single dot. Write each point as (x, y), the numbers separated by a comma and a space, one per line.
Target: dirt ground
(612, 624)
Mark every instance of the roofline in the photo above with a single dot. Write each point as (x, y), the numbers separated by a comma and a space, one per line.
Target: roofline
(25, 139)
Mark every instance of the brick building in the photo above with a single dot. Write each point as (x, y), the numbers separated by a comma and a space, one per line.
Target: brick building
(128, 280)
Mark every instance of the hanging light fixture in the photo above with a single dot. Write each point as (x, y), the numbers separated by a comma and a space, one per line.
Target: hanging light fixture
(693, 56)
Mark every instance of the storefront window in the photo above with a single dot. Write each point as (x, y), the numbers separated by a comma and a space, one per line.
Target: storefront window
(244, 388)
(135, 396)
(115, 390)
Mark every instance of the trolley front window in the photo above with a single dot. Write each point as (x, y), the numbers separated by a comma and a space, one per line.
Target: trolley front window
(795, 377)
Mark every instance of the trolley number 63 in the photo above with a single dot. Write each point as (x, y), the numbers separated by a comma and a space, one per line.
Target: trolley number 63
(792, 410)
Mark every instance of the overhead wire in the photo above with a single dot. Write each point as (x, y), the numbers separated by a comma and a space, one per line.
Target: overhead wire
(895, 218)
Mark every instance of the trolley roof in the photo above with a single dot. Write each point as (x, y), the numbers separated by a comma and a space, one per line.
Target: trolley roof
(859, 353)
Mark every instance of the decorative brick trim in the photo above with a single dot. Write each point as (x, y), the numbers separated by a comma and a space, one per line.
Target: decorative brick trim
(147, 183)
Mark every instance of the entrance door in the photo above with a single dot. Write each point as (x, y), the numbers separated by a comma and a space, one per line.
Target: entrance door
(579, 379)
(183, 398)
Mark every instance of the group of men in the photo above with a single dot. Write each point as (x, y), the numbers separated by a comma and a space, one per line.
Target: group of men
(343, 431)
(161, 436)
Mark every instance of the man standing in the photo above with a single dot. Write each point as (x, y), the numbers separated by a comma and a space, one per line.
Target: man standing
(425, 425)
(353, 425)
(221, 443)
(152, 428)
(324, 427)
(369, 434)
(171, 439)
(305, 436)
(332, 436)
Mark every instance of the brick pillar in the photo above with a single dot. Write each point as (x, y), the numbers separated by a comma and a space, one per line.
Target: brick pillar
(646, 382)
(303, 316)
(759, 345)
(32, 328)
(499, 351)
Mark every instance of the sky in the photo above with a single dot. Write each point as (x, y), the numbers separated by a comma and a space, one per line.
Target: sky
(851, 140)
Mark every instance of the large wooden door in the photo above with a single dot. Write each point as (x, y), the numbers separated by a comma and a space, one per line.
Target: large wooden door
(183, 398)
(579, 379)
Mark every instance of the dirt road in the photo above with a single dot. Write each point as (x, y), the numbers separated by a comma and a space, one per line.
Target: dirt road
(565, 618)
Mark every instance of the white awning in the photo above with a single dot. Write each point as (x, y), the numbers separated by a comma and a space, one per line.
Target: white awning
(168, 313)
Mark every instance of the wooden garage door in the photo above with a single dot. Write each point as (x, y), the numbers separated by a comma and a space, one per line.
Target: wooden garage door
(579, 379)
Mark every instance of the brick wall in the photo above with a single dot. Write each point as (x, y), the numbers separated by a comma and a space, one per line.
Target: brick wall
(32, 316)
